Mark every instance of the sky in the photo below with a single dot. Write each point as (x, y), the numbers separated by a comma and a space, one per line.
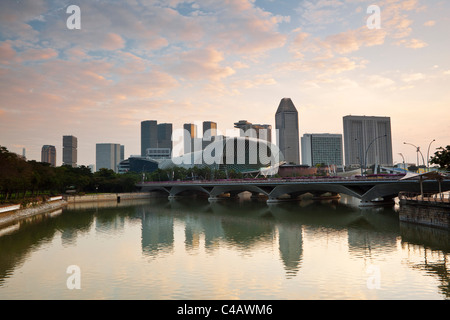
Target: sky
(220, 60)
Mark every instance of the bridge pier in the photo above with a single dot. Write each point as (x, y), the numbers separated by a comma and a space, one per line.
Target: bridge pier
(216, 198)
(177, 196)
(282, 199)
(376, 203)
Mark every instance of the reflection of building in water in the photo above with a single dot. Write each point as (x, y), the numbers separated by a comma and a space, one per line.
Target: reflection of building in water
(157, 233)
(110, 223)
(291, 247)
(246, 232)
(210, 226)
(192, 231)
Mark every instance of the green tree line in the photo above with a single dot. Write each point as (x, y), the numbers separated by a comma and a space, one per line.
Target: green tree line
(442, 158)
(21, 179)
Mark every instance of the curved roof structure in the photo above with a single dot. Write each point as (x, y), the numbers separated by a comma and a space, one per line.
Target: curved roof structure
(242, 154)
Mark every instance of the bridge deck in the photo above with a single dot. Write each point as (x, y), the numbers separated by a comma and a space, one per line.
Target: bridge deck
(366, 189)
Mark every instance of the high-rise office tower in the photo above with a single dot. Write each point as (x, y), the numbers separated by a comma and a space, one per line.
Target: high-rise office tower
(48, 155)
(190, 135)
(209, 133)
(70, 144)
(322, 148)
(165, 136)
(107, 156)
(122, 152)
(149, 136)
(367, 140)
(209, 130)
(286, 124)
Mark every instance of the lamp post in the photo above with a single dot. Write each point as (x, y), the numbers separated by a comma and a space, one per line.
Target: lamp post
(428, 153)
(418, 151)
(367, 150)
(403, 160)
(360, 155)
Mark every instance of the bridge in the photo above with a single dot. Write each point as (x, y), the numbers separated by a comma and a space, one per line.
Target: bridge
(370, 190)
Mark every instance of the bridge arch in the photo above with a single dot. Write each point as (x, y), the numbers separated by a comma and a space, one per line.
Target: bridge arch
(176, 190)
(390, 191)
(298, 189)
(218, 190)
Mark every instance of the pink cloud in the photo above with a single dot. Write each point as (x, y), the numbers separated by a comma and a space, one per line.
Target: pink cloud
(353, 40)
(113, 41)
(38, 54)
(7, 53)
(199, 64)
(412, 43)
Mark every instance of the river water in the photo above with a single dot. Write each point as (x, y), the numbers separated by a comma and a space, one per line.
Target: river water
(235, 249)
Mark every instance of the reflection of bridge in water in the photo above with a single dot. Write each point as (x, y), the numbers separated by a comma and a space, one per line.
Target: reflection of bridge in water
(369, 190)
(247, 225)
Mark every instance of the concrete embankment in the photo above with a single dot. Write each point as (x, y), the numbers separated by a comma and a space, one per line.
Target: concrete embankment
(108, 197)
(23, 213)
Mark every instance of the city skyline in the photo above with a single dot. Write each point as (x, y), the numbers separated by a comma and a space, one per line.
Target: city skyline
(180, 62)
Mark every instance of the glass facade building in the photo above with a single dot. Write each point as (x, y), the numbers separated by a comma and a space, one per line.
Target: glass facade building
(70, 155)
(149, 135)
(48, 155)
(107, 156)
(322, 148)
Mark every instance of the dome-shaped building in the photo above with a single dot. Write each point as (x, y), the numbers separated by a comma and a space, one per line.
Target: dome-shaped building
(241, 154)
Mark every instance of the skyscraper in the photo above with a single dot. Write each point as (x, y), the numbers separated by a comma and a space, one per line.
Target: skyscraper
(286, 123)
(165, 135)
(367, 140)
(70, 144)
(48, 155)
(122, 152)
(107, 155)
(322, 148)
(190, 134)
(209, 133)
(209, 130)
(149, 136)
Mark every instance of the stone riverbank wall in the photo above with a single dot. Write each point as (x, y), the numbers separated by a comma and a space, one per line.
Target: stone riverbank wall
(436, 216)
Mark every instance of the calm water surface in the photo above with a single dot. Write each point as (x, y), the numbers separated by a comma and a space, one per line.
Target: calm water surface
(193, 249)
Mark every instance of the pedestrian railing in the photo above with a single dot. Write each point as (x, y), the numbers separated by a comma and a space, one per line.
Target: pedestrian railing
(425, 197)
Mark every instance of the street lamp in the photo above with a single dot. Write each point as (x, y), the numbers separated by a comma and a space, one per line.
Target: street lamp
(428, 153)
(360, 155)
(418, 151)
(403, 160)
(367, 150)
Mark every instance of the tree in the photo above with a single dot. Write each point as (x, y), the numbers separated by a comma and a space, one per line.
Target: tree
(442, 158)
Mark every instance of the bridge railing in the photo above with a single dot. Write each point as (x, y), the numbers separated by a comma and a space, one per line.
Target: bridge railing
(282, 179)
(425, 197)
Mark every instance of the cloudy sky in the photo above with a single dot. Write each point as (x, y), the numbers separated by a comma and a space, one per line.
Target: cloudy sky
(220, 60)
